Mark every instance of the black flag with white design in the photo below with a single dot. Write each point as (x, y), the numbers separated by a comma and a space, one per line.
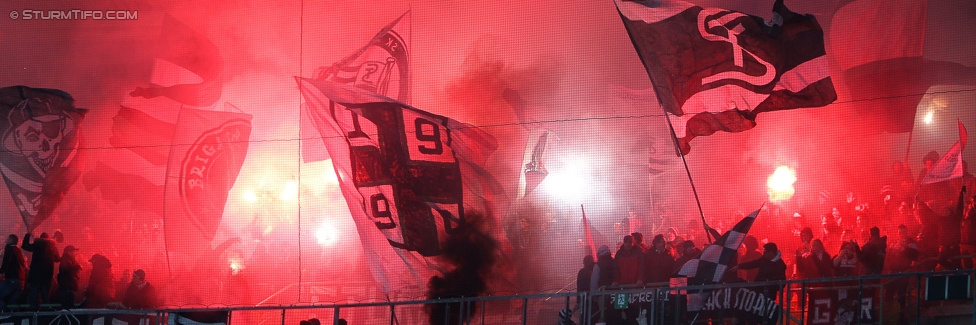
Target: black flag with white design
(716, 69)
(381, 66)
(407, 175)
(711, 264)
(39, 159)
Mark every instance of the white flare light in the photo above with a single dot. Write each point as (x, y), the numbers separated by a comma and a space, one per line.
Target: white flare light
(327, 234)
(570, 182)
(780, 184)
(290, 192)
(250, 196)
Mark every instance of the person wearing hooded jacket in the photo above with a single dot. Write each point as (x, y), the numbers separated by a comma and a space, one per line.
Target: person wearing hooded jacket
(770, 267)
(583, 282)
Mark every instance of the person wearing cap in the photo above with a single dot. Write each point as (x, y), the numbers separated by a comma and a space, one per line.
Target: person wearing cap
(770, 268)
(68, 277)
(41, 271)
(140, 294)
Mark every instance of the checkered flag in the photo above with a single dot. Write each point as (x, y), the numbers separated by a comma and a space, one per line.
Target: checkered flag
(710, 265)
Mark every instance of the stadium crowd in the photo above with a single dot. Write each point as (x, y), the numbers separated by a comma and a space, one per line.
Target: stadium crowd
(933, 228)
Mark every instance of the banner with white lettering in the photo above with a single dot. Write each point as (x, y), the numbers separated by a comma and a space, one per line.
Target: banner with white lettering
(841, 307)
(748, 304)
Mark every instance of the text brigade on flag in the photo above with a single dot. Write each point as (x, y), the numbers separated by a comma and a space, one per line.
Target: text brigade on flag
(717, 69)
(207, 155)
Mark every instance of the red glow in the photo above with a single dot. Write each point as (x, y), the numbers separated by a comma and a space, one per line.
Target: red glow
(290, 238)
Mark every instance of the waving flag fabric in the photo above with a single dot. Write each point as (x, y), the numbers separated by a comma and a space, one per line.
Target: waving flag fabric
(187, 69)
(186, 72)
(950, 165)
(143, 134)
(408, 176)
(137, 166)
(592, 238)
(654, 135)
(534, 162)
(40, 139)
(717, 69)
(138, 190)
(710, 265)
(208, 150)
(381, 66)
(200, 318)
(879, 45)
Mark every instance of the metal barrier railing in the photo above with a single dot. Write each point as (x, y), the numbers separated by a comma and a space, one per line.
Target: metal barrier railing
(866, 295)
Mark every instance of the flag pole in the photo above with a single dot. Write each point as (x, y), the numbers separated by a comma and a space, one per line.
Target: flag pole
(908, 148)
(674, 137)
(677, 148)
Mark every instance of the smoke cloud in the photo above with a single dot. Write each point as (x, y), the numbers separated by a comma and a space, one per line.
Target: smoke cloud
(574, 72)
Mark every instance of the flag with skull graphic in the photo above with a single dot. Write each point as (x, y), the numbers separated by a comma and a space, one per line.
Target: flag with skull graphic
(39, 158)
